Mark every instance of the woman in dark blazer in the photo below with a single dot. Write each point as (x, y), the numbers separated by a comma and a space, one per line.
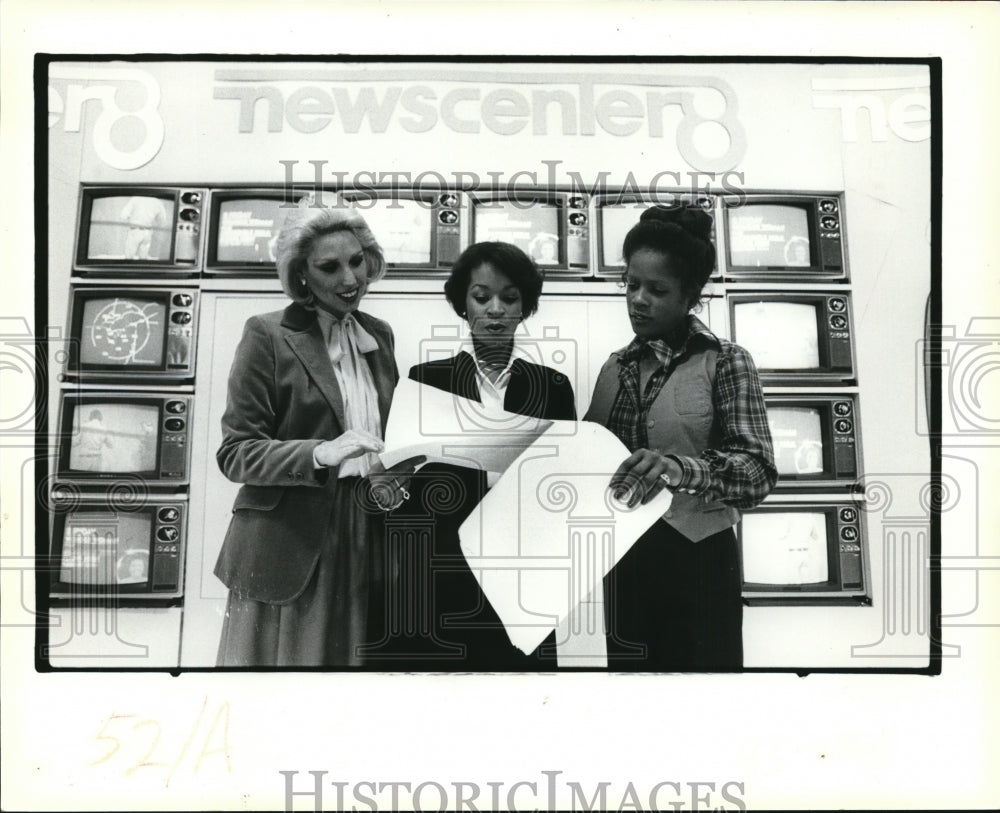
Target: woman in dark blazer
(447, 623)
(309, 393)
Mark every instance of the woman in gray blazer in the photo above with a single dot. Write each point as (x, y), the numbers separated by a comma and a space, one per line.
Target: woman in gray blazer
(308, 398)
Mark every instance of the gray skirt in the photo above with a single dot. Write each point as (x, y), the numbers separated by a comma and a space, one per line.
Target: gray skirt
(328, 624)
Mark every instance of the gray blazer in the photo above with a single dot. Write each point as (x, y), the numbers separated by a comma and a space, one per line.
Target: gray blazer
(284, 401)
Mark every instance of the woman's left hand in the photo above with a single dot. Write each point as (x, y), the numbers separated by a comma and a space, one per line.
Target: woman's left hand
(638, 478)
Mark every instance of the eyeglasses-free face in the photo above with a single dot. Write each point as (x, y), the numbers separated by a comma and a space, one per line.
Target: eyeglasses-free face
(493, 305)
(656, 301)
(337, 273)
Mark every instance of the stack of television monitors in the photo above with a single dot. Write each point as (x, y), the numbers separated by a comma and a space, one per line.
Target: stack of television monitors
(780, 284)
(120, 496)
(806, 543)
(122, 473)
(120, 486)
(788, 302)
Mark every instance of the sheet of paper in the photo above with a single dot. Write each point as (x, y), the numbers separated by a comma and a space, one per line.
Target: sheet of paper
(446, 428)
(550, 530)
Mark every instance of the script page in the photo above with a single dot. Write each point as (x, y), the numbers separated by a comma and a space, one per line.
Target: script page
(544, 537)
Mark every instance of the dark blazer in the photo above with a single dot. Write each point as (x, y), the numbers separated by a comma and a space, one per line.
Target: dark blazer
(533, 390)
(283, 402)
(452, 625)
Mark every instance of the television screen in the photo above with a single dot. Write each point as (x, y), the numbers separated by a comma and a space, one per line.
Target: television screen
(785, 548)
(130, 227)
(402, 227)
(247, 230)
(770, 235)
(532, 228)
(114, 438)
(105, 548)
(798, 439)
(616, 220)
(779, 335)
(120, 331)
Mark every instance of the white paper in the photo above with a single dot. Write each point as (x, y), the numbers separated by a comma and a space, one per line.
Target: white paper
(446, 428)
(550, 530)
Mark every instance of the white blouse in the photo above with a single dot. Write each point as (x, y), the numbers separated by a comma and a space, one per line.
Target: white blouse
(492, 394)
(346, 343)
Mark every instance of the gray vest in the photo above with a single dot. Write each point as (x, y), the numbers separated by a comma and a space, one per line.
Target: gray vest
(679, 422)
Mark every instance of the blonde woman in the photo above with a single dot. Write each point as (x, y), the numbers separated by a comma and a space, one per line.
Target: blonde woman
(308, 398)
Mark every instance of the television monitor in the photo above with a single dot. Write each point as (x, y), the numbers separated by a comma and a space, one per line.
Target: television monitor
(816, 440)
(615, 214)
(804, 553)
(419, 230)
(135, 334)
(550, 227)
(784, 237)
(133, 553)
(105, 436)
(795, 336)
(242, 234)
(133, 230)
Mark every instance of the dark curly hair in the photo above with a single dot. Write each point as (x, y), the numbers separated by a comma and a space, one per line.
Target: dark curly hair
(684, 235)
(506, 258)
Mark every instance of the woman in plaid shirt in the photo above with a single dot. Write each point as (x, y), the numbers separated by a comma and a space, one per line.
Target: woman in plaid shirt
(689, 407)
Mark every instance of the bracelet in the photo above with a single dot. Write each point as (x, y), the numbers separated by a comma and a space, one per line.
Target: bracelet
(404, 496)
(403, 491)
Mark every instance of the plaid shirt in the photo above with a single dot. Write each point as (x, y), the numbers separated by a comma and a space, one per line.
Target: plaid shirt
(740, 470)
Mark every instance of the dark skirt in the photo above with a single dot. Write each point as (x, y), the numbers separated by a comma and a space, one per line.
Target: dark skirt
(436, 617)
(672, 605)
(329, 622)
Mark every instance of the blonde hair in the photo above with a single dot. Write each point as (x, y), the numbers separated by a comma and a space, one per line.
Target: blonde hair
(303, 227)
